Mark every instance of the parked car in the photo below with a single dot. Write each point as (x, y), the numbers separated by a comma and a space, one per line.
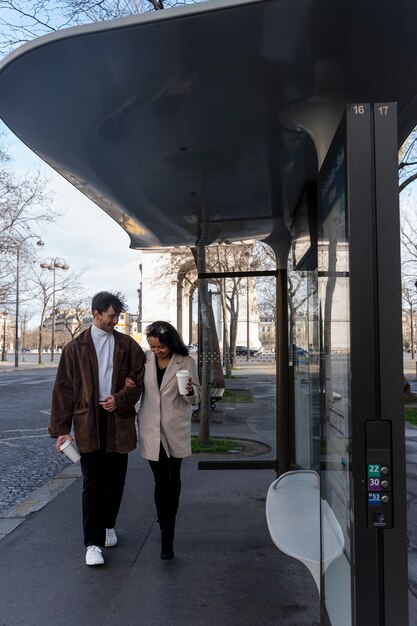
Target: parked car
(299, 355)
(192, 347)
(243, 351)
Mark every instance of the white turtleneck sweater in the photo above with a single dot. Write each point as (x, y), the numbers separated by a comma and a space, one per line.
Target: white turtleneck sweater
(104, 346)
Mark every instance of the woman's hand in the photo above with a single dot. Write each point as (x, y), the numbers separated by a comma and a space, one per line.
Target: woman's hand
(129, 383)
(189, 386)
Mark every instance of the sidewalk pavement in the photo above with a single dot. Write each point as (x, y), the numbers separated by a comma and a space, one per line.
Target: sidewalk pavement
(30, 362)
(226, 571)
(410, 367)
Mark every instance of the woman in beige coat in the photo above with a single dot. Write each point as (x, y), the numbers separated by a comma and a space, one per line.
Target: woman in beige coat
(165, 421)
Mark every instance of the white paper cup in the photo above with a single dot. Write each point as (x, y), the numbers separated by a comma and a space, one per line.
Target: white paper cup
(70, 451)
(182, 380)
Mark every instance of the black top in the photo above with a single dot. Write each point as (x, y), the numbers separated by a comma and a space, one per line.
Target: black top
(160, 374)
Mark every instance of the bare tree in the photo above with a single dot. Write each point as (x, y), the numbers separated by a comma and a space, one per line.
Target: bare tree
(24, 320)
(223, 259)
(25, 207)
(182, 265)
(409, 294)
(73, 312)
(43, 292)
(199, 253)
(407, 161)
(23, 20)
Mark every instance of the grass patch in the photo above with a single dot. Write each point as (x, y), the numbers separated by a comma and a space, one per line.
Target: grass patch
(411, 415)
(215, 445)
(233, 395)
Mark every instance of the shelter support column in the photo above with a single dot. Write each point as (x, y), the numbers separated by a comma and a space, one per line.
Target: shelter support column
(282, 378)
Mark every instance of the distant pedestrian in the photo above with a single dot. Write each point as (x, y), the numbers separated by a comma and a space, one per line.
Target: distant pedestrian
(165, 422)
(90, 395)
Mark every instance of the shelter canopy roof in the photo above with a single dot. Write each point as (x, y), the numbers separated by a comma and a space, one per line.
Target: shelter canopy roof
(206, 122)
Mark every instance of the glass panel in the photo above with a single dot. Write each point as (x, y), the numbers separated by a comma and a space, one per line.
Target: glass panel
(242, 356)
(305, 363)
(314, 370)
(299, 359)
(333, 283)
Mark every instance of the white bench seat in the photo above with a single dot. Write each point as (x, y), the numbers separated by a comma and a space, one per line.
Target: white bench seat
(293, 518)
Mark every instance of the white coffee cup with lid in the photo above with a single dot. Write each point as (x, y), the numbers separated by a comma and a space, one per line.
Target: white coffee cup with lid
(182, 379)
(70, 451)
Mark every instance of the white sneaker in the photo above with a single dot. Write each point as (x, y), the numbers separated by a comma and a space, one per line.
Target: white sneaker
(93, 556)
(111, 538)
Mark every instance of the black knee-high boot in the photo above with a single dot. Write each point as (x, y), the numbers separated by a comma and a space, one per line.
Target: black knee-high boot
(167, 539)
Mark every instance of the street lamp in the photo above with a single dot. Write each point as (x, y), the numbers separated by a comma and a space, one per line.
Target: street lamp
(52, 265)
(16, 337)
(4, 350)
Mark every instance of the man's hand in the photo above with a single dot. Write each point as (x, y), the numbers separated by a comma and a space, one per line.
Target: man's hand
(109, 404)
(60, 440)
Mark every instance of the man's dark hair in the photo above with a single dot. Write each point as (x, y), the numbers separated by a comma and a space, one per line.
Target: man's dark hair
(104, 299)
(168, 336)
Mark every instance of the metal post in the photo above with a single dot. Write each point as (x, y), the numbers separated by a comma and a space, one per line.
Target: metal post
(16, 338)
(52, 265)
(247, 321)
(4, 351)
(53, 317)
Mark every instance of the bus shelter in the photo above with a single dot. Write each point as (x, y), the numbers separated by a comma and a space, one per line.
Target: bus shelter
(278, 121)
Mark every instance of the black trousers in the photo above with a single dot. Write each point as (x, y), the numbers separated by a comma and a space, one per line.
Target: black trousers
(104, 477)
(167, 474)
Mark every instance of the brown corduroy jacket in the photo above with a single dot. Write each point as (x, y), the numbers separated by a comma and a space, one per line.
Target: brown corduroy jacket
(75, 401)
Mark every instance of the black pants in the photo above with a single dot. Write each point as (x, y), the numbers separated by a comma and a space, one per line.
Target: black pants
(167, 474)
(104, 479)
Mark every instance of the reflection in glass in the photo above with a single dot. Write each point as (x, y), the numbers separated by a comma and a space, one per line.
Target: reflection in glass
(333, 288)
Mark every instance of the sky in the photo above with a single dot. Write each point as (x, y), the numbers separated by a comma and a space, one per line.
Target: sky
(85, 235)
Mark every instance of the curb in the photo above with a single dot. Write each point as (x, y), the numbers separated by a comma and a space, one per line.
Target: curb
(13, 516)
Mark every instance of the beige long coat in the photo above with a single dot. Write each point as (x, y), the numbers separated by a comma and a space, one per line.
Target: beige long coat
(164, 415)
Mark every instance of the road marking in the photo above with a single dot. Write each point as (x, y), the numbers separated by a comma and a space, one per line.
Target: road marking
(21, 430)
(19, 381)
(23, 434)
(4, 440)
(37, 382)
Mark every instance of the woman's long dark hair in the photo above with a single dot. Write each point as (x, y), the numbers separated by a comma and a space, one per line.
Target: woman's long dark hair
(168, 336)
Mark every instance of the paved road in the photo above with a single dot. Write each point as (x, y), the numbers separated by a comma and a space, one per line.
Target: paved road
(27, 456)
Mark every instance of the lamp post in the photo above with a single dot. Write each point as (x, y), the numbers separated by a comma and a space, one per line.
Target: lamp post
(52, 265)
(412, 330)
(4, 350)
(16, 337)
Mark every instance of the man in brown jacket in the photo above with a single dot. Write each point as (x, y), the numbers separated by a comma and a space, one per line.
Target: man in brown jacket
(90, 396)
